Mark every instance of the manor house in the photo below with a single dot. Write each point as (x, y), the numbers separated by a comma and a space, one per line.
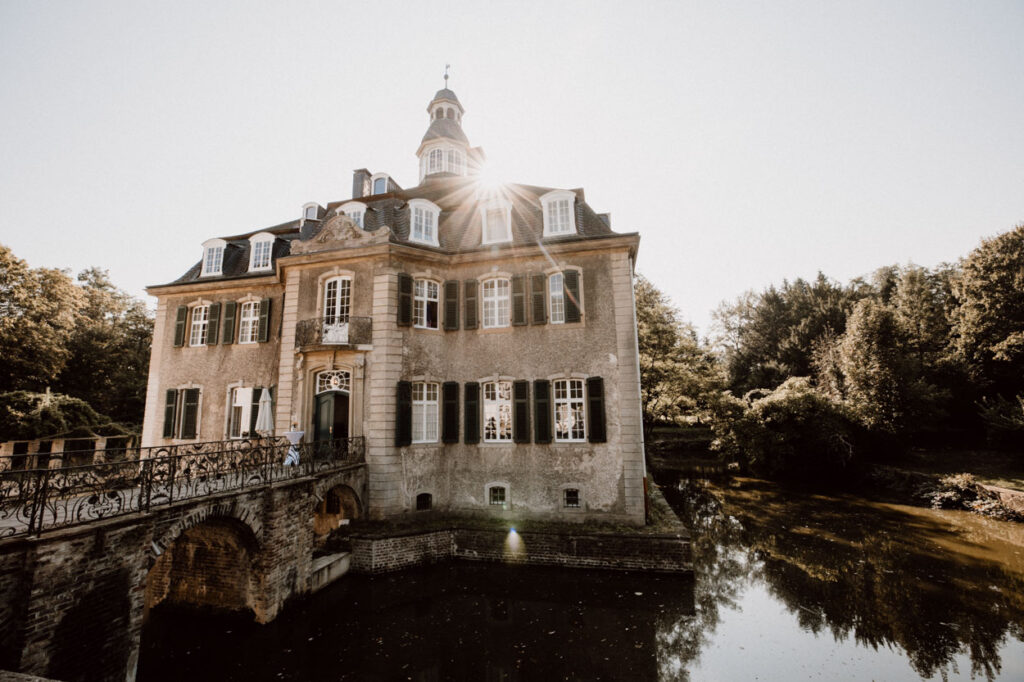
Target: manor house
(481, 339)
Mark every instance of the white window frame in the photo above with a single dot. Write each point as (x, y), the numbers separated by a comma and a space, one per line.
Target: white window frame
(503, 207)
(425, 412)
(248, 321)
(310, 208)
(373, 183)
(421, 301)
(495, 305)
(213, 257)
(550, 203)
(342, 300)
(334, 380)
(199, 325)
(500, 409)
(257, 243)
(424, 217)
(240, 404)
(356, 211)
(442, 158)
(556, 298)
(575, 406)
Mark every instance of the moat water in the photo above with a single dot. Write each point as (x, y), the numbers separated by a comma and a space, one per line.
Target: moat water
(786, 586)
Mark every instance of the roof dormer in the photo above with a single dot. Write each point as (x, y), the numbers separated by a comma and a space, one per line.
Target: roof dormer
(213, 257)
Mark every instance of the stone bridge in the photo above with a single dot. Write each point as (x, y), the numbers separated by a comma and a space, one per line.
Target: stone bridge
(74, 596)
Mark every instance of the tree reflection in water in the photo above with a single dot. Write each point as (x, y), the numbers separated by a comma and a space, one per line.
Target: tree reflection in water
(936, 584)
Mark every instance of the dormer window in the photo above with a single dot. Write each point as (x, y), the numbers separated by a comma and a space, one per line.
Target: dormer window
(261, 247)
(355, 211)
(423, 218)
(213, 257)
(559, 213)
(496, 223)
(380, 183)
(311, 212)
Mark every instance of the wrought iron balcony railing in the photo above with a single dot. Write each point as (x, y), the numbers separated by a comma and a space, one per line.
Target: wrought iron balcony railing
(40, 499)
(322, 331)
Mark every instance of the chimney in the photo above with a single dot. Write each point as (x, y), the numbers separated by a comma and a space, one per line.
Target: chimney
(360, 183)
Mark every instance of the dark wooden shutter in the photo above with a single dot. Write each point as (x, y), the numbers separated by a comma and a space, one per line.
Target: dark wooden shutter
(170, 412)
(404, 300)
(254, 410)
(230, 312)
(472, 412)
(470, 303)
(179, 326)
(595, 410)
(573, 311)
(518, 300)
(213, 325)
(451, 305)
(263, 331)
(403, 414)
(450, 412)
(190, 413)
(521, 411)
(538, 295)
(542, 411)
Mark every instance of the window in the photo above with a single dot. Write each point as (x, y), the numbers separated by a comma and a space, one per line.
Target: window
(380, 183)
(181, 413)
(442, 160)
(425, 304)
(213, 257)
(570, 418)
(558, 212)
(557, 293)
(260, 248)
(333, 380)
(496, 495)
(310, 212)
(239, 412)
(355, 211)
(248, 322)
(337, 300)
(496, 224)
(496, 306)
(571, 498)
(423, 217)
(455, 162)
(424, 501)
(200, 325)
(435, 162)
(424, 413)
(498, 412)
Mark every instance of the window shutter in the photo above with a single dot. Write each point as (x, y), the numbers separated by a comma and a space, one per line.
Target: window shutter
(213, 326)
(450, 407)
(572, 295)
(230, 312)
(404, 300)
(254, 410)
(595, 410)
(263, 331)
(521, 411)
(451, 305)
(542, 411)
(190, 413)
(470, 303)
(179, 326)
(403, 414)
(170, 412)
(518, 300)
(539, 294)
(472, 417)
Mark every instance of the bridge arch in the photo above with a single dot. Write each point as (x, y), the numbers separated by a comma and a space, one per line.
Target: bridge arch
(243, 514)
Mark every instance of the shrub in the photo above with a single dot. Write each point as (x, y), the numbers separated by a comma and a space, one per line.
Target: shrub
(961, 491)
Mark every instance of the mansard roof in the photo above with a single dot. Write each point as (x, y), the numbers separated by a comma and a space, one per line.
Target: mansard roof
(444, 127)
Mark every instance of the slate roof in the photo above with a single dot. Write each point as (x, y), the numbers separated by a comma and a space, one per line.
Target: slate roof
(445, 93)
(445, 127)
(459, 226)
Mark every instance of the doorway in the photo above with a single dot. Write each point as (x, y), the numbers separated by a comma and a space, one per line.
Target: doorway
(331, 416)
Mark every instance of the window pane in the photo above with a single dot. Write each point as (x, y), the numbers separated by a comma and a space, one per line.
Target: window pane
(498, 411)
(570, 417)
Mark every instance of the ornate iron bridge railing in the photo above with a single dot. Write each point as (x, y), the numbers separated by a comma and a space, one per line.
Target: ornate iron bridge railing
(36, 500)
(321, 331)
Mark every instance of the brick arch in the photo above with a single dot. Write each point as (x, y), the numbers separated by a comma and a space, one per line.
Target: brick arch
(248, 517)
(349, 479)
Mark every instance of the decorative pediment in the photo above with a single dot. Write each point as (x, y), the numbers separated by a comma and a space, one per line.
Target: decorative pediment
(340, 232)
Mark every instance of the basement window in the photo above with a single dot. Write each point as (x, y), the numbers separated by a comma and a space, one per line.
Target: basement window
(571, 498)
(424, 501)
(496, 496)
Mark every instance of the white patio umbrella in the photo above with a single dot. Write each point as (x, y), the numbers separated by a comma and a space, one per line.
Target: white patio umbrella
(265, 415)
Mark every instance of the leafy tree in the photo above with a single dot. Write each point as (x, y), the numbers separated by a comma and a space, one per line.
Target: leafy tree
(25, 415)
(919, 304)
(872, 365)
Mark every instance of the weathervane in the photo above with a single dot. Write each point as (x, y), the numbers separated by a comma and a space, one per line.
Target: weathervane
(446, 67)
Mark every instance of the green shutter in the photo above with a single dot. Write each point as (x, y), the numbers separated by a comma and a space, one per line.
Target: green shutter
(538, 294)
(404, 300)
(472, 412)
(263, 331)
(521, 411)
(228, 333)
(595, 410)
(469, 301)
(170, 412)
(542, 411)
(403, 414)
(213, 327)
(573, 310)
(450, 412)
(179, 326)
(190, 413)
(518, 300)
(451, 305)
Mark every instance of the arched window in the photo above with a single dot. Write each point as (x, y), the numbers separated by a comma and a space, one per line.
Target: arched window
(435, 163)
(355, 211)
(260, 248)
(559, 216)
(424, 501)
(333, 380)
(213, 257)
(337, 299)
(423, 217)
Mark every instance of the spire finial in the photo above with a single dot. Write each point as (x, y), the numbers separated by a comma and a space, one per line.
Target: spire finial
(446, 67)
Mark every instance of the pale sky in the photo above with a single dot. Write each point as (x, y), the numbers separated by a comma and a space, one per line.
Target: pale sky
(745, 142)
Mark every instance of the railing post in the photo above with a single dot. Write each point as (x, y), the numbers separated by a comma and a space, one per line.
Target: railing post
(35, 520)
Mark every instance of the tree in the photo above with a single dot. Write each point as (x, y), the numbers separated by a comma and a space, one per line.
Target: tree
(38, 311)
(872, 365)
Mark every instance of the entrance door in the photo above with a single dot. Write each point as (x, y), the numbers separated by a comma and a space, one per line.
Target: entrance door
(331, 418)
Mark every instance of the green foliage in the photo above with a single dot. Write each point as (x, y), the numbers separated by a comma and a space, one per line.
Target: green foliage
(25, 415)
(792, 432)
(1004, 420)
(962, 491)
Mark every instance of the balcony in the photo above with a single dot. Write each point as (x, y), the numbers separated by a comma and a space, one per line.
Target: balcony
(320, 331)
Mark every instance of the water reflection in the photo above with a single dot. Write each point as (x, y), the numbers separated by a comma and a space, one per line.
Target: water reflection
(942, 586)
